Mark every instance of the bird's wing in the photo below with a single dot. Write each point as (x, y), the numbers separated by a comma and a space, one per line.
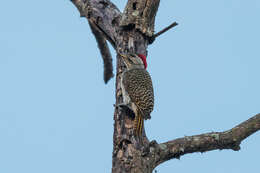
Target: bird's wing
(138, 84)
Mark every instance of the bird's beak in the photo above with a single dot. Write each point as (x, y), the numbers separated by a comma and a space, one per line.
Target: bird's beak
(123, 56)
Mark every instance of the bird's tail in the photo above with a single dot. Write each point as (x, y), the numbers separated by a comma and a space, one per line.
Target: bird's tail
(138, 124)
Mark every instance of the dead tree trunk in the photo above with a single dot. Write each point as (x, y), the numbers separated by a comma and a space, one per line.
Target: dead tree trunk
(131, 32)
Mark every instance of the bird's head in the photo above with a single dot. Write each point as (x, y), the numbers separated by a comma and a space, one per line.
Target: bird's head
(134, 61)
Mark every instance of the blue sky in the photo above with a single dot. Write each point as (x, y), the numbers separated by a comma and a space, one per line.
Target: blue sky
(56, 114)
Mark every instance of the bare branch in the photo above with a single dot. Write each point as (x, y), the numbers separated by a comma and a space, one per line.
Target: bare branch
(105, 52)
(102, 16)
(229, 139)
(151, 40)
(165, 29)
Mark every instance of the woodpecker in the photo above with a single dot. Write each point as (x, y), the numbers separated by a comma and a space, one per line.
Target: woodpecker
(137, 89)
